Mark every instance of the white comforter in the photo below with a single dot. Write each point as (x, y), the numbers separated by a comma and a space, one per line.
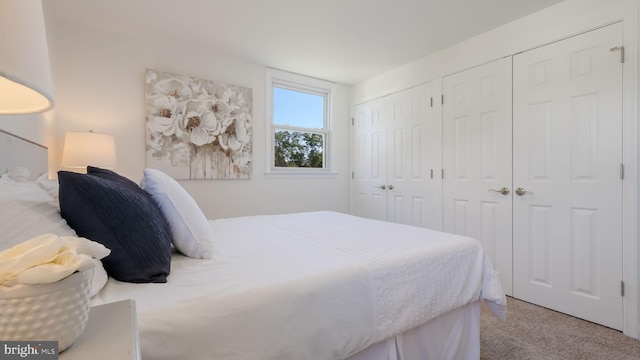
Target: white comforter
(306, 286)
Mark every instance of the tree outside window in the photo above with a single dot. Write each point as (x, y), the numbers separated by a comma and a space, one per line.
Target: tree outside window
(298, 149)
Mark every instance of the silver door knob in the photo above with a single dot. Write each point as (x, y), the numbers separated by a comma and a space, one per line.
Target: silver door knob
(382, 187)
(520, 191)
(504, 190)
(390, 187)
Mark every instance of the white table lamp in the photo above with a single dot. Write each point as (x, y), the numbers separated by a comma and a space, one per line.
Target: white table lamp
(88, 148)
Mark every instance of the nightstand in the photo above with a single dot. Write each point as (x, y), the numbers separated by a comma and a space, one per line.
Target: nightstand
(111, 334)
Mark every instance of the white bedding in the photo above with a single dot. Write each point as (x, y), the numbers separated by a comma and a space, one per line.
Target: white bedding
(306, 286)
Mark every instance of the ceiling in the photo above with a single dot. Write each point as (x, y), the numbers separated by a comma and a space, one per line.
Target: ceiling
(345, 41)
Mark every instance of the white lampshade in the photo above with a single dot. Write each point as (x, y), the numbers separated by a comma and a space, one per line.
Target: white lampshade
(88, 148)
(25, 73)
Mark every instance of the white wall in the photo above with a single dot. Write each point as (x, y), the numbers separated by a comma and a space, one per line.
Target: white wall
(34, 127)
(555, 23)
(99, 85)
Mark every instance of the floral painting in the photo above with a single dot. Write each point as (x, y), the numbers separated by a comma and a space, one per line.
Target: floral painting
(198, 129)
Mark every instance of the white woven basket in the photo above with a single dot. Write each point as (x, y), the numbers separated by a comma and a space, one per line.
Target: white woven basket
(46, 312)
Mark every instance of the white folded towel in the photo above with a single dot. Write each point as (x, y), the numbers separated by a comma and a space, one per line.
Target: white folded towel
(48, 258)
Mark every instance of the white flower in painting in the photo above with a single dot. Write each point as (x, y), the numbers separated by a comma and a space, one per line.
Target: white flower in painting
(155, 141)
(165, 125)
(151, 77)
(221, 109)
(236, 136)
(234, 144)
(240, 137)
(196, 89)
(201, 120)
(223, 140)
(173, 87)
(242, 159)
(234, 99)
(181, 154)
(199, 136)
(165, 115)
(209, 89)
(163, 102)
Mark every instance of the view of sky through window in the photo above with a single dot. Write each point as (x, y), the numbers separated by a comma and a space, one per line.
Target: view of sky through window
(296, 108)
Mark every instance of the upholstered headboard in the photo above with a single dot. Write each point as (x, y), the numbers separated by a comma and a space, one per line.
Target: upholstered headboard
(17, 151)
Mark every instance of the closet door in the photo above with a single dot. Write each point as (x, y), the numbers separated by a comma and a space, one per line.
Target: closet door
(410, 158)
(369, 183)
(477, 190)
(395, 149)
(567, 157)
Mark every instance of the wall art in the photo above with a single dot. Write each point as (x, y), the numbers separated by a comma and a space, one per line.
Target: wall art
(198, 129)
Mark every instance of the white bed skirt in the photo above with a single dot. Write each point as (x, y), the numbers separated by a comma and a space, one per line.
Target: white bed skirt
(454, 335)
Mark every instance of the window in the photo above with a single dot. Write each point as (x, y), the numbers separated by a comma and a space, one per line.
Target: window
(299, 134)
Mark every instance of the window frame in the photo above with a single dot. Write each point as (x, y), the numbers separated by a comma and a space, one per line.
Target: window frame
(305, 84)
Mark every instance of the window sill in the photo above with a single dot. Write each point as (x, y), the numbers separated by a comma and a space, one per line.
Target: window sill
(300, 174)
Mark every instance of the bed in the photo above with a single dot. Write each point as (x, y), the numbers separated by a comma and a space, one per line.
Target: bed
(318, 285)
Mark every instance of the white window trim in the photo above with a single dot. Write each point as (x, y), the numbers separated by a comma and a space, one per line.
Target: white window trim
(303, 83)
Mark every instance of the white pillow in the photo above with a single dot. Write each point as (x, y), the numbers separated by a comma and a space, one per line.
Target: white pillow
(26, 210)
(19, 174)
(100, 277)
(190, 229)
(51, 186)
(22, 191)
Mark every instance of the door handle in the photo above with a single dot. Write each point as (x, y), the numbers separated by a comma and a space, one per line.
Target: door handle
(520, 191)
(383, 187)
(504, 190)
(390, 187)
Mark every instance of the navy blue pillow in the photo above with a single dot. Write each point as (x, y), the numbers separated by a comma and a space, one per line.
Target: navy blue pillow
(123, 218)
(111, 175)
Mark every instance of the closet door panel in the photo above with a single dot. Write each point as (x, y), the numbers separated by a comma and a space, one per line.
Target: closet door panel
(368, 191)
(395, 147)
(567, 151)
(410, 160)
(477, 161)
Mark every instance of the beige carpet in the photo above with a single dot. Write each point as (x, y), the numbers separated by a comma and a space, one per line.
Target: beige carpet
(533, 332)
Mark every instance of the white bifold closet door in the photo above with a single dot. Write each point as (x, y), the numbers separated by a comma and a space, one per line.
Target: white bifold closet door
(394, 151)
(477, 160)
(369, 176)
(567, 151)
(410, 158)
